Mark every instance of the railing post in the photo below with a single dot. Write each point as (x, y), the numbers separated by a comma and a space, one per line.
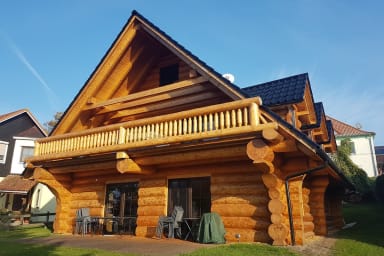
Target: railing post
(122, 133)
(254, 114)
(37, 148)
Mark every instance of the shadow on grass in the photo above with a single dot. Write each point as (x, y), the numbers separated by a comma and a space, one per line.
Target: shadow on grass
(369, 227)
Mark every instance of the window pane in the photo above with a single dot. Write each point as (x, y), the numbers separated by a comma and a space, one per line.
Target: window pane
(3, 151)
(25, 153)
(192, 194)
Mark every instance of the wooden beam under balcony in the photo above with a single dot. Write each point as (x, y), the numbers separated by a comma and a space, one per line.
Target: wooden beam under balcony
(148, 93)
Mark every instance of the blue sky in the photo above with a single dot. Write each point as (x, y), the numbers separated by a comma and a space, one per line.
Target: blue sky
(48, 49)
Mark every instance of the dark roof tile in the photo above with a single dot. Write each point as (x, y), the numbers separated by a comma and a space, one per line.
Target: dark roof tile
(279, 92)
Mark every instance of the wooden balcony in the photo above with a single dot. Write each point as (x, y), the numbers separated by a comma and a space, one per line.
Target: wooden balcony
(216, 121)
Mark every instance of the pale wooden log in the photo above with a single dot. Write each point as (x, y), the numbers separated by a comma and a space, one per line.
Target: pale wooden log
(86, 203)
(154, 201)
(144, 231)
(272, 135)
(244, 199)
(257, 150)
(129, 166)
(232, 178)
(239, 189)
(89, 188)
(152, 192)
(276, 206)
(245, 223)
(147, 221)
(148, 183)
(98, 195)
(277, 218)
(278, 233)
(247, 235)
(271, 181)
(157, 210)
(274, 193)
(240, 210)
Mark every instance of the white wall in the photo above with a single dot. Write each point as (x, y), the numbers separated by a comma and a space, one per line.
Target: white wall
(42, 202)
(17, 167)
(364, 156)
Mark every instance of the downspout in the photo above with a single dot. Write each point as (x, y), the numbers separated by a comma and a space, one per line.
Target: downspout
(309, 171)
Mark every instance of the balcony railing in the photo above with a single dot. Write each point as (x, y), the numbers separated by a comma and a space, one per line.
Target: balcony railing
(215, 121)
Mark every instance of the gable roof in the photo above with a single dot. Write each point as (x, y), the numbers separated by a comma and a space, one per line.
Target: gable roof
(16, 184)
(137, 21)
(8, 116)
(319, 109)
(343, 129)
(283, 91)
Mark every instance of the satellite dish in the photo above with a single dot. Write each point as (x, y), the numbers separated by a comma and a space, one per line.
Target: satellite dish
(229, 77)
(359, 126)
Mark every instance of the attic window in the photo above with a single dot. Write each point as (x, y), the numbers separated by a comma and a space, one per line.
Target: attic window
(169, 74)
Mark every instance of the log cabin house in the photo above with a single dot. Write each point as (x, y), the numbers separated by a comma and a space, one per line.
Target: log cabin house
(159, 126)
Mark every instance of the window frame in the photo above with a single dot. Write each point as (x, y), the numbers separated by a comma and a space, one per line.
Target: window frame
(6, 144)
(22, 150)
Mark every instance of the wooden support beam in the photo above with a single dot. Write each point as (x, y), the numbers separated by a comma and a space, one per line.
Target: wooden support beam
(257, 150)
(284, 146)
(272, 135)
(127, 165)
(93, 166)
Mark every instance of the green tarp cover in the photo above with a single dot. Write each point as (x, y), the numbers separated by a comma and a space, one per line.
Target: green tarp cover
(211, 229)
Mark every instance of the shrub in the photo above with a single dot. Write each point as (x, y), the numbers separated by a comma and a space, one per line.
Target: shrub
(379, 188)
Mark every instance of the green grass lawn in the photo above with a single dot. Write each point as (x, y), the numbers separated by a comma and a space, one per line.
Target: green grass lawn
(366, 237)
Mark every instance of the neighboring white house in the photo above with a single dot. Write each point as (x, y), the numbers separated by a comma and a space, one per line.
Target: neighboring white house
(18, 132)
(363, 147)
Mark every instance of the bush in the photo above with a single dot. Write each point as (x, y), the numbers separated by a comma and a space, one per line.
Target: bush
(379, 188)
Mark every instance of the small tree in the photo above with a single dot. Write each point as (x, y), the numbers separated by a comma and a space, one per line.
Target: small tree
(51, 124)
(357, 176)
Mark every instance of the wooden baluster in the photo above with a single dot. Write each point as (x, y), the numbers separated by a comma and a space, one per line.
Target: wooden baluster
(140, 136)
(148, 132)
(131, 134)
(222, 123)
(200, 122)
(205, 123)
(185, 126)
(157, 131)
(245, 116)
(216, 121)
(152, 131)
(161, 133)
(175, 128)
(166, 129)
(180, 127)
(227, 119)
(233, 114)
(239, 118)
(134, 134)
(254, 114)
(195, 125)
(210, 123)
(128, 131)
(189, 125)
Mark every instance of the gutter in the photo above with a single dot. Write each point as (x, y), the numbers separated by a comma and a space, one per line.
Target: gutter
(309, 171)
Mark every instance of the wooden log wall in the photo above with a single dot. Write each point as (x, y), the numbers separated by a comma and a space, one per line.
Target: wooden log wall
(241, 201)
(318, 185)
(334, 215)
(277, 206)
(152, 204)
(60, 186)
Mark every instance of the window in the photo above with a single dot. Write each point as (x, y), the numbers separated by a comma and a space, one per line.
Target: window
(169, 74)
(3, 151)
(192, 194)
(25, 153)
(121, 200)
(37, 201)
(353, 148)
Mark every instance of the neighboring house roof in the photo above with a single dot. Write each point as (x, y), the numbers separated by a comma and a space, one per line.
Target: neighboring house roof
(16, 184)
(16, 113)
(343, 129)
(283, 91)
